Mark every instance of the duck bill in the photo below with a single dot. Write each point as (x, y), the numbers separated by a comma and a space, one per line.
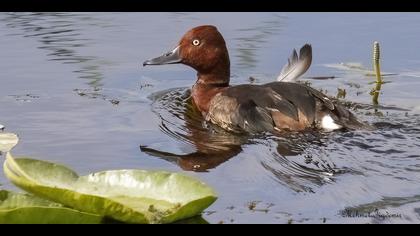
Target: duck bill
(171, 57)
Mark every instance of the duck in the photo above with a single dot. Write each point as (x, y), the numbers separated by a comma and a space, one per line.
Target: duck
(278, 106)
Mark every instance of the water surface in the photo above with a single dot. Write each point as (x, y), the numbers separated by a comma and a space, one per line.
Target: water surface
(73, 88)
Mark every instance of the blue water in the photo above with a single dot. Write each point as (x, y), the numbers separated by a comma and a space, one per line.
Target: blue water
(73, 88)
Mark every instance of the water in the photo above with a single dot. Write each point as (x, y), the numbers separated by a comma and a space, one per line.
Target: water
(73, 88)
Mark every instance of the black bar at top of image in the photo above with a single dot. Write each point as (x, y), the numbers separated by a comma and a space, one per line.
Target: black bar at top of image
(210, 5)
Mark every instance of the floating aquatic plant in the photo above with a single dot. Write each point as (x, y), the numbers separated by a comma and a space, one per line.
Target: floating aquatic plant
(131, 196)
(19, 208)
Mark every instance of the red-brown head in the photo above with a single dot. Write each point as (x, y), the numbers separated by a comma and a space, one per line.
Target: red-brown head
(204, 49)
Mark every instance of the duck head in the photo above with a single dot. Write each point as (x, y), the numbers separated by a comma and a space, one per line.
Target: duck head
(204, 49)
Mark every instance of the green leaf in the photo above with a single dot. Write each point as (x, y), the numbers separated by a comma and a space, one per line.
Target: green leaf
(132, 196)
(8, 141)
(18, 208)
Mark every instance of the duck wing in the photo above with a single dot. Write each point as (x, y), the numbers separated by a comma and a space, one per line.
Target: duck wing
(296, 65)
(315, 106)
(278, 106)
(252, 108)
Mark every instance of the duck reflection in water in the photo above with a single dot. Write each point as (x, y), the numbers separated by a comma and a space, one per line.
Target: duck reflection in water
(214, 145)
(181, 120)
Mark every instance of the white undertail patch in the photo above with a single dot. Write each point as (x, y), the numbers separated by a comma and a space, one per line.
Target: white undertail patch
(328, 123)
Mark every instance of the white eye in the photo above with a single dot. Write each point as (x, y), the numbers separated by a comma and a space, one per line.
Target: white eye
(196, 42)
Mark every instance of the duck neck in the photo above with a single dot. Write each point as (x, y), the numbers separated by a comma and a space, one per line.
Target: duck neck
(218, 74)
(213, 80)
(206, 87)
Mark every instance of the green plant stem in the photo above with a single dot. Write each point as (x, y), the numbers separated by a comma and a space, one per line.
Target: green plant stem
(377, 69)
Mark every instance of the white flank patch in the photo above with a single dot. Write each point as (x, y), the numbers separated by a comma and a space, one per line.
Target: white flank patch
(329, 124)
(1, 127)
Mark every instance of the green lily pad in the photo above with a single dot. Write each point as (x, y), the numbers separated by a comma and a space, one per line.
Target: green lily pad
(18, 208)
(132, 196)
(8, 141)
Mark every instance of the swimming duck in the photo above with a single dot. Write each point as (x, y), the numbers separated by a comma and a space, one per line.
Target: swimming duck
(275, 106)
